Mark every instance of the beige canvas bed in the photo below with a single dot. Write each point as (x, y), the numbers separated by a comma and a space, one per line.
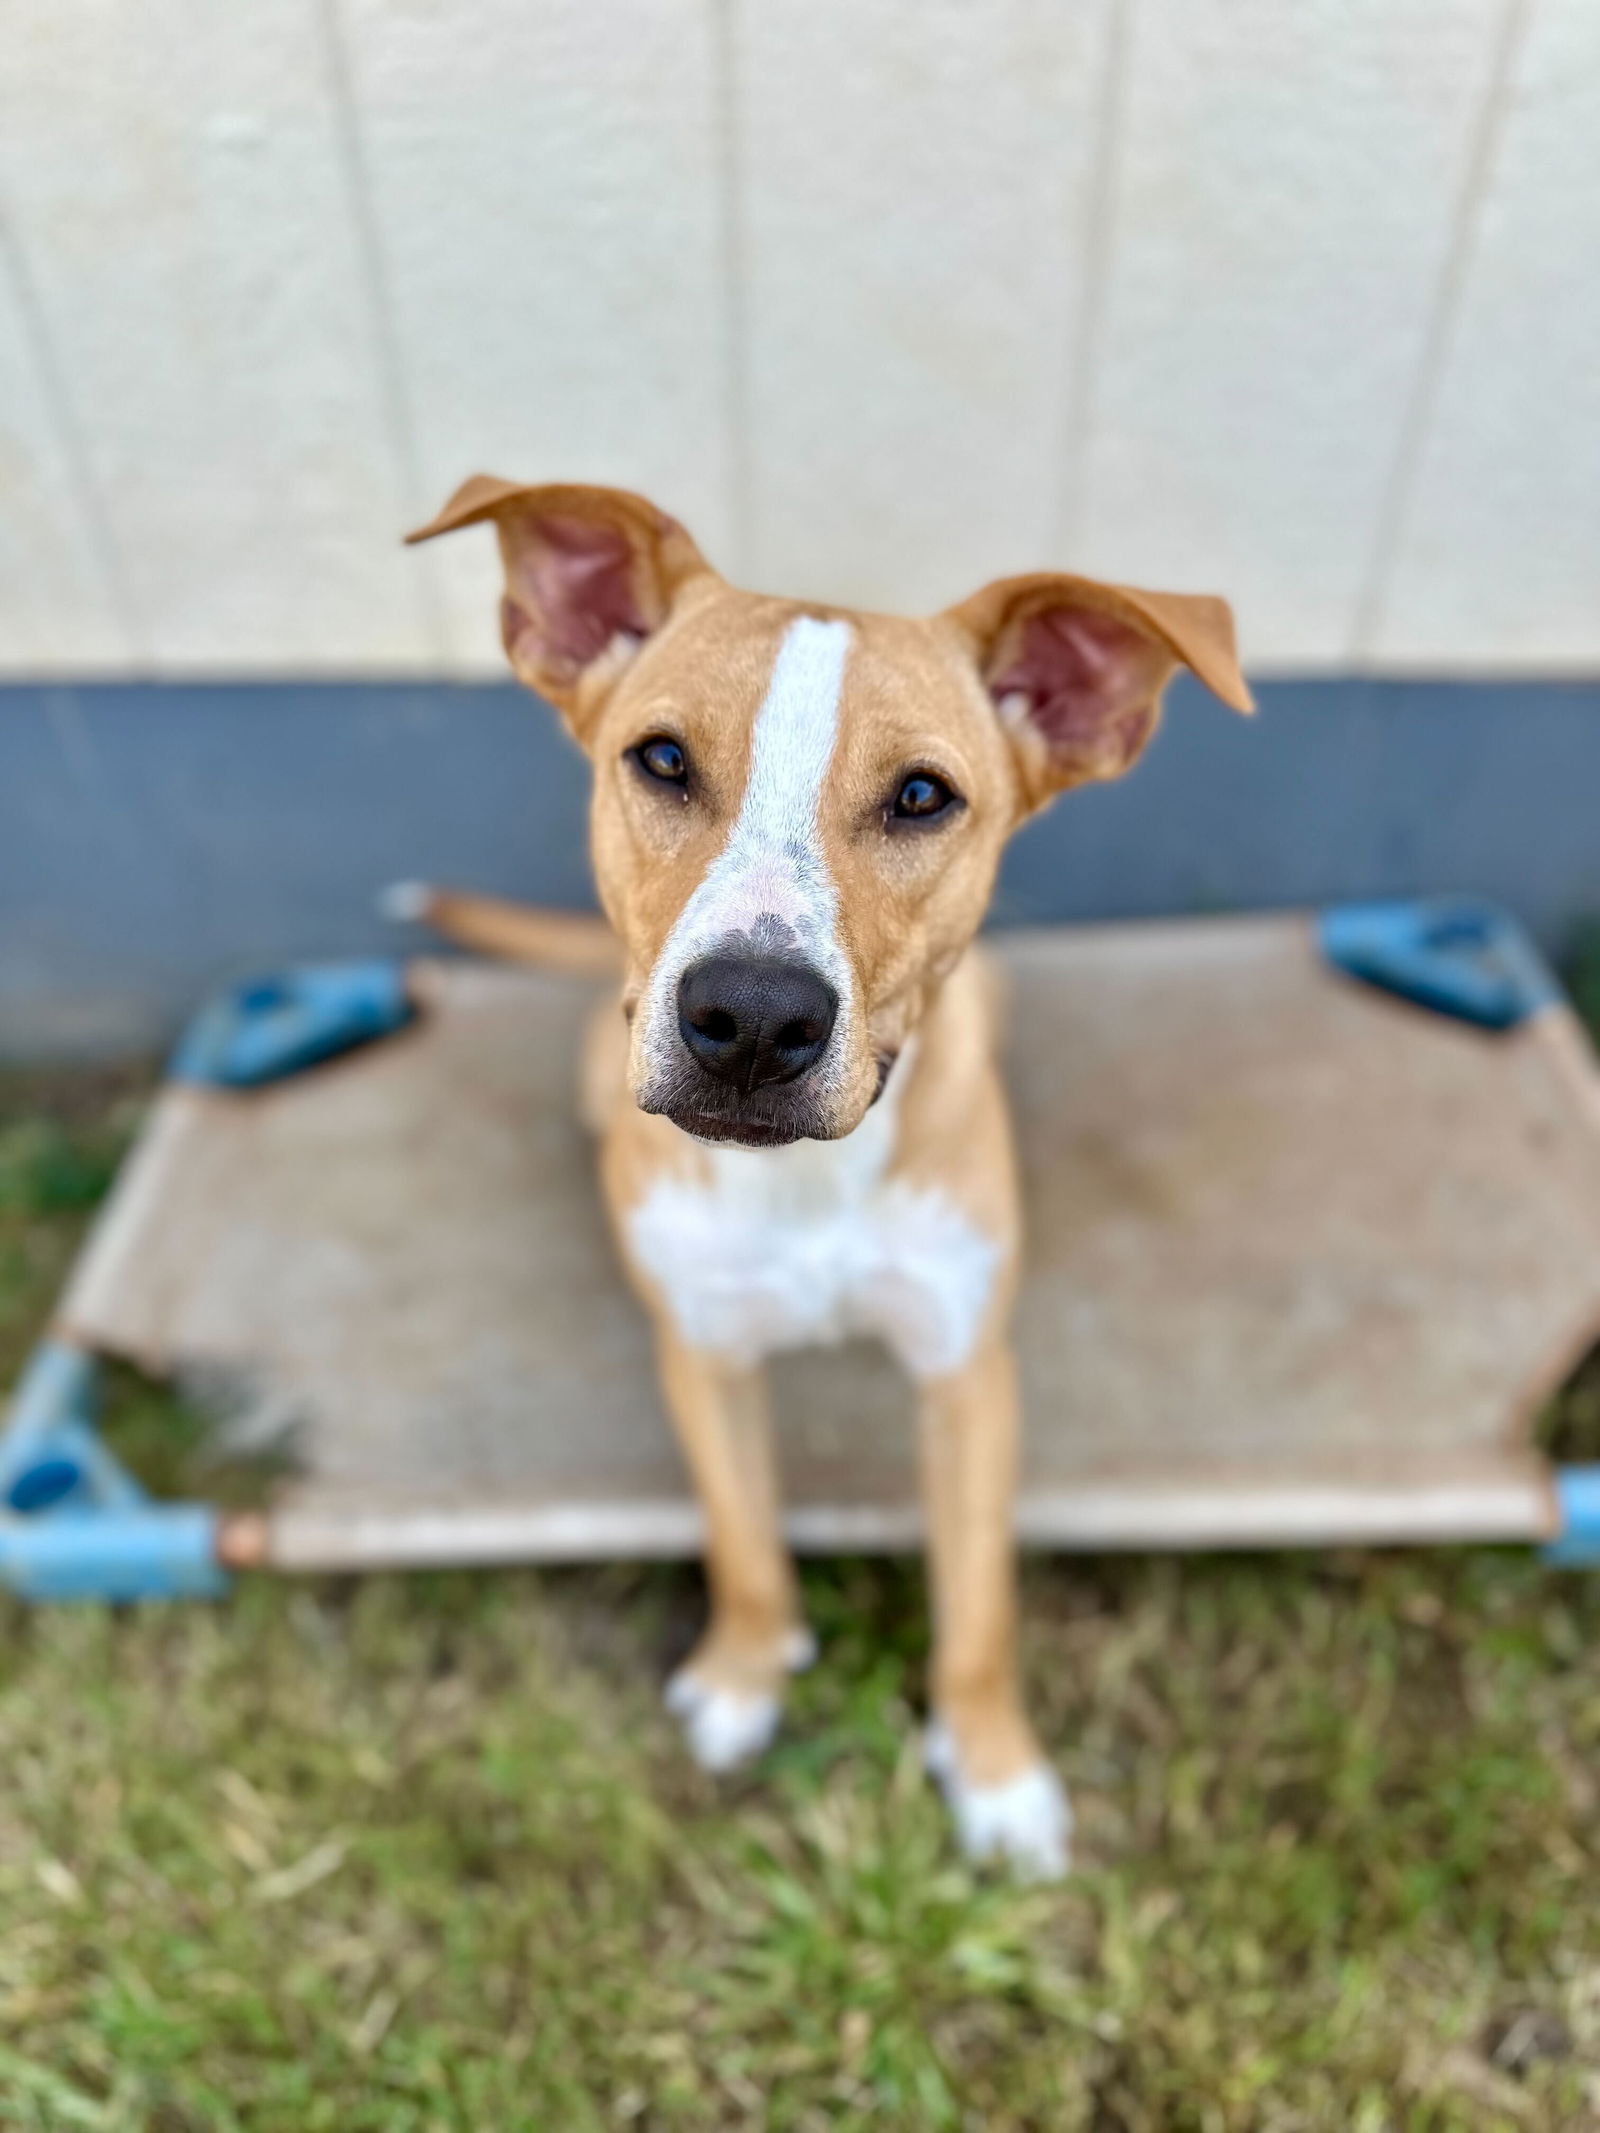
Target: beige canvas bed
(1303, 1263)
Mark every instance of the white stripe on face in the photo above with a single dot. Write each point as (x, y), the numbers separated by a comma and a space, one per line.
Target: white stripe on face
(771, 880)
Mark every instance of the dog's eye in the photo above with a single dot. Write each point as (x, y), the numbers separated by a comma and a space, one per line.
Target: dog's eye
(663, 760)
(921, 797)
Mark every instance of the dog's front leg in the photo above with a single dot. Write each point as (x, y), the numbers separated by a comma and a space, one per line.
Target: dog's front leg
(730, 1689)
(1006, 1801)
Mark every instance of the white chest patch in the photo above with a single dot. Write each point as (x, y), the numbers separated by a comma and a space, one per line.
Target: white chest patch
(800, 1247)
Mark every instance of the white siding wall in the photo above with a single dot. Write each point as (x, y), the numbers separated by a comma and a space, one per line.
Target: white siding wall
(883, 297)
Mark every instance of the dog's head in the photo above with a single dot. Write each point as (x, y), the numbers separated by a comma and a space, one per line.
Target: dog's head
(798, 810)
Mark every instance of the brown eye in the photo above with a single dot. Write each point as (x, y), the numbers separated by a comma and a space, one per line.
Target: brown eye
(922, 797)
(662, 759)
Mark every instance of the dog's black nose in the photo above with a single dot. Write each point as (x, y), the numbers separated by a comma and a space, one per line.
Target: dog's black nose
(752, 1020)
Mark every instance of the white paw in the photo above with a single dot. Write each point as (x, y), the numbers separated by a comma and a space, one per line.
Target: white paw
(1027, 1822)
(404, 901)
(723, 1729)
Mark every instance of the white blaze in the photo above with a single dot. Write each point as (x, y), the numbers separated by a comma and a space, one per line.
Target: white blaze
(773, 859)
(772, 866)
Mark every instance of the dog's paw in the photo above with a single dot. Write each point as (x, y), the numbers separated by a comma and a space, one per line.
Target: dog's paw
(725, 1726)
(1025, 1824)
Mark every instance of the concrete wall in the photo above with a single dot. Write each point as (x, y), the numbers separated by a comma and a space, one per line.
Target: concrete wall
(156, 839)
(1298, 302)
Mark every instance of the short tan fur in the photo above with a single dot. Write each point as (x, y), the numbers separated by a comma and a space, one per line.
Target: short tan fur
(797, 815)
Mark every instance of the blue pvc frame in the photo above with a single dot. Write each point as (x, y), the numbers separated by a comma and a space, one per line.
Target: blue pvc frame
(74, 1524)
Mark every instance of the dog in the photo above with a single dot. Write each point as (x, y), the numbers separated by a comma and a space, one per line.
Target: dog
(797, 814)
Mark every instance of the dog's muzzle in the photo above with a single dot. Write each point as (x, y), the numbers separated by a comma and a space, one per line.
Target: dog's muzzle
(751, 1030)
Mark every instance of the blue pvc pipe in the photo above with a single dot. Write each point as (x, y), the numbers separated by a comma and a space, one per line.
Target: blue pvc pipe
(1577, 1540)
(145, 1552)
(79, 1526)
(57, 1386)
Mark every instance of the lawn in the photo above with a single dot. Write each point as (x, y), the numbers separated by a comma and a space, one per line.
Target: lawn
(422, 1852)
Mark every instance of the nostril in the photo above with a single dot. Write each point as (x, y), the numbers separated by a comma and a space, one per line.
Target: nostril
(717, 1024)
(795, 1035)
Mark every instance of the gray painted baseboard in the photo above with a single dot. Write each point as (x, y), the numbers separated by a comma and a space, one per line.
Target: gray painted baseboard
(155, 838)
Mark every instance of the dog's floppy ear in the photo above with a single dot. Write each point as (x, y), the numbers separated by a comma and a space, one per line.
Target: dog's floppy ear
(589, 574)
(1077, 668)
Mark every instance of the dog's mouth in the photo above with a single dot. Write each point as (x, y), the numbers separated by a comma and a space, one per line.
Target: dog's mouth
(723, 1116)
(739, 1133)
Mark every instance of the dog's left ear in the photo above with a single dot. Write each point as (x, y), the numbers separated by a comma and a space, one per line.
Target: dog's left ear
(589, 573)
(1077, 669)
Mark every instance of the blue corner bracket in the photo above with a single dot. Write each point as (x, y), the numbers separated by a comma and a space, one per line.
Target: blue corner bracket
(259, 1032)
(1459, 956)
(74, 1524)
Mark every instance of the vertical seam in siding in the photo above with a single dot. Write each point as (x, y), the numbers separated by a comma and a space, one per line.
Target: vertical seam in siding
(88, 498)
(1444, 312)
(735, 286)
(393, 384)
(1096, 239)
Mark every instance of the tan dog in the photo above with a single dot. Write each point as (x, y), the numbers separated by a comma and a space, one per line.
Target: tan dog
(797, 815)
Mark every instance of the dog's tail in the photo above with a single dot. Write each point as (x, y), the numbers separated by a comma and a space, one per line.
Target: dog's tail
(576, 942)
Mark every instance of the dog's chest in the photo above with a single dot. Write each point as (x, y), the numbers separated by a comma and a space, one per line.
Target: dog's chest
(799, 1247)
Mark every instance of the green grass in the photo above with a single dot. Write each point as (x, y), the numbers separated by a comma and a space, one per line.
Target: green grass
(422, 1852)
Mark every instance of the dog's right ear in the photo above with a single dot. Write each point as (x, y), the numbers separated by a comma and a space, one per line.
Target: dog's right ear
(590, 573)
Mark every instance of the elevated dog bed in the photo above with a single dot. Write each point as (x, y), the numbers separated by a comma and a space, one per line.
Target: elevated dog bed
(1304, 1259)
